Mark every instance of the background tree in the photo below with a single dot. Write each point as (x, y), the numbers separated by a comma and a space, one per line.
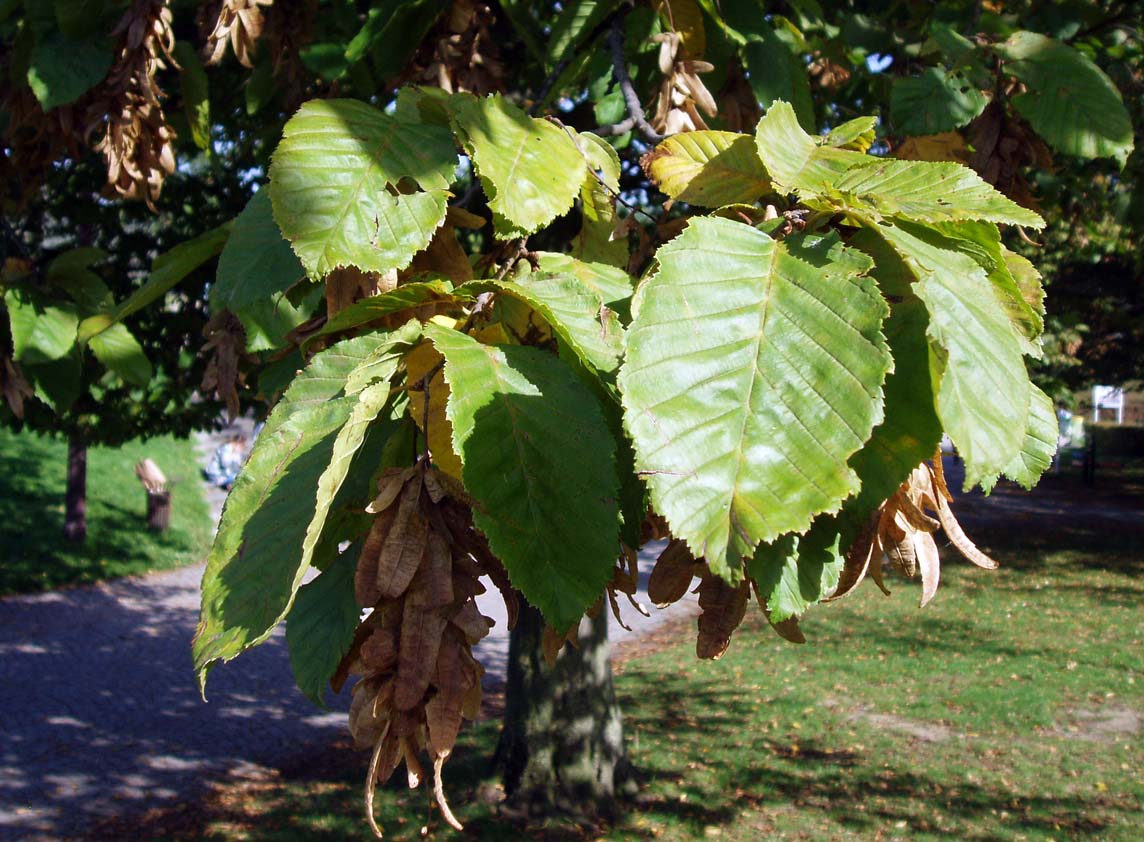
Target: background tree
(463, 308)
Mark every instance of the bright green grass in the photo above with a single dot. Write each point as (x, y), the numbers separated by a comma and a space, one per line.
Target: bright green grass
(979, 717)
(34, 555)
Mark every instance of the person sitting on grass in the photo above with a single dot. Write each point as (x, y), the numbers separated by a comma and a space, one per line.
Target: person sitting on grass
(227, 461)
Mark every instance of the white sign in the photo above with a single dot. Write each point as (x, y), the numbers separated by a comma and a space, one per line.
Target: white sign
(1108, 397)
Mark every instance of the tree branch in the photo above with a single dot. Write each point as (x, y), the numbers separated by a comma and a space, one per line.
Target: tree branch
(636, 117)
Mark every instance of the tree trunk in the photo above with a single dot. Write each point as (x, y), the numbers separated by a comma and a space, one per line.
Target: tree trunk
(75, 501)
(562, 748)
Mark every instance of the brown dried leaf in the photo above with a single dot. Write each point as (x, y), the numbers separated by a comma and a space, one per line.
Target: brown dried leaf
(386, 754)
(366, 588)
(959, 539)
(857, 561)
(421, 631)
(443, 710)
(389, 485)
(405, 543)
(671, 577)
(723, 608)
(366, 723)
(15, 388)
(925, 549)
(471, 622)
(378, 652)
(413, 768)
(439, 793)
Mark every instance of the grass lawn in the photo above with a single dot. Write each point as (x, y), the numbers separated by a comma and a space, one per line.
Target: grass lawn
(33, 553)
(1008, 709)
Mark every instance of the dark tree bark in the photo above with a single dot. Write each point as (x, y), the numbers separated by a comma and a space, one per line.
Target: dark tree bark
(75, 501)
(562, 749)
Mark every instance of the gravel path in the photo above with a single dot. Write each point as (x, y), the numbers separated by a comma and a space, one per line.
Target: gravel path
(102, 716)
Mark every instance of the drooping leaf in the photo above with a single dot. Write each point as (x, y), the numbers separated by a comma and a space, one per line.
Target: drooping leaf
(432, 421)
(911, 430)
(254, 567)
(58, 383)
(575, 313)
(331, 179)
(371, 401)
(1038, 448)
(256, 263)
(167, 270)
(538, 460)
(982, 242)
(321, 624)
(121, 352)
(934, 102)
(42, 331)
(983, 395)
(796, 572)
(530, 169)
(754, 370)
(1069, 101)
(708, 168)
(61, 69)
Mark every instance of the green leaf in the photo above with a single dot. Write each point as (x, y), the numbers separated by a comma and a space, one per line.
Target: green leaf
(42, 331)
(61, 70)
(925, 191)
(121, 352)
(75, 18)
(539, 461)
(611, 284)
(777, 73)
(850, 182)
(575, 313)
(598, 206)
(794, 573)
(1070, 102)
(578, 18)
(983, 396)
(74, 259)
(796, 161)
(58, 383)
(376, 307)
(1038, 448)
(195, 89)
(167, 270)
(934, 102)
(256, 263)
(326, 60)
(911, 430)
(753, 372)
(321, 624)
(530, 169)
(255, 269)
(330, 182)
(370, 403)
(255, 565)
(708, 168)
(857, 134)
(982, 242)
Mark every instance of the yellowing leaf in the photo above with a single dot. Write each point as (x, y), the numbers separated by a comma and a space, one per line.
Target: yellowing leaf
(419, 362)
(708, 168)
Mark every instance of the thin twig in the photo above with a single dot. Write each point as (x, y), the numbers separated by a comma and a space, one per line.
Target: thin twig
(552, 78)
(636, 117)
(599, 178)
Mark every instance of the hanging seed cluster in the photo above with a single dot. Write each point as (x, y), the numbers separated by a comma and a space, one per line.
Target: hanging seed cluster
(901, 531)
(419, 572)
